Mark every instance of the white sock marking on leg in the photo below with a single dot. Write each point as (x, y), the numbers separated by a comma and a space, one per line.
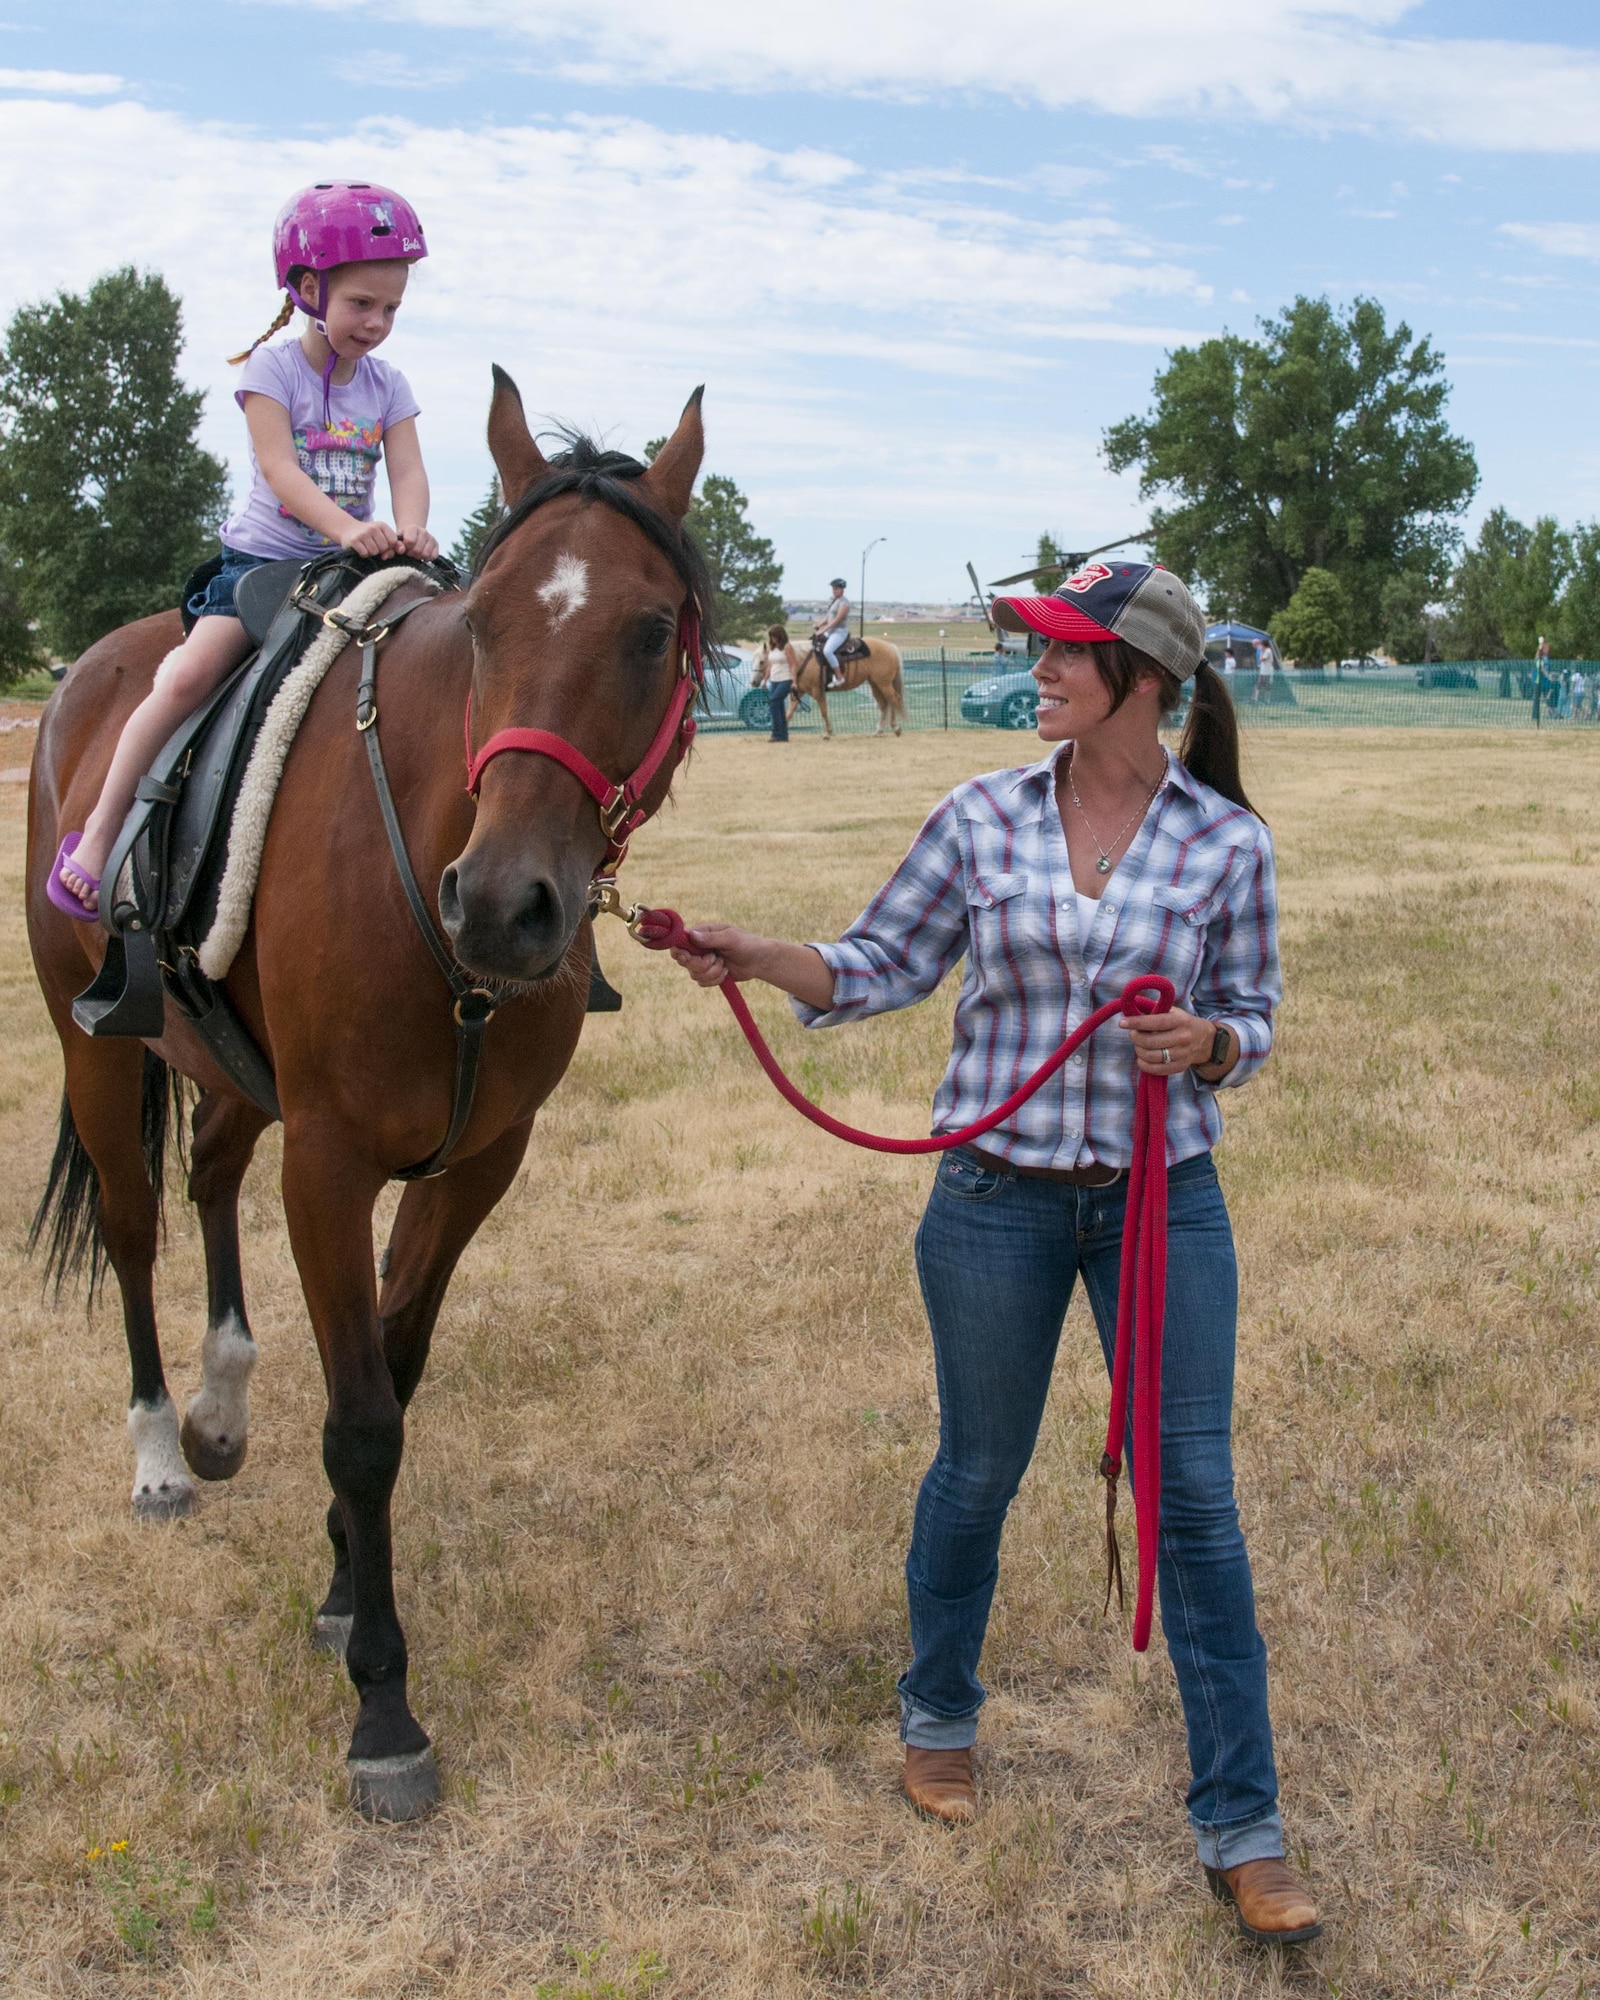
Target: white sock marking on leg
(158, 1462)
(221, 1409)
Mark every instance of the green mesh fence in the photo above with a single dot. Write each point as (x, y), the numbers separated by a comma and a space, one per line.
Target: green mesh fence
(976, 691)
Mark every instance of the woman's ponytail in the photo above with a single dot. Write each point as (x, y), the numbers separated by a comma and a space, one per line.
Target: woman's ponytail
(1210, 748)
(285, 314)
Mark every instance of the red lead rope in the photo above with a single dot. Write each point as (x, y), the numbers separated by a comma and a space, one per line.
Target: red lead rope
(1142, 1291)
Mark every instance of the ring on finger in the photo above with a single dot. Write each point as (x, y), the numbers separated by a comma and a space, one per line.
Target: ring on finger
(1166, 1055)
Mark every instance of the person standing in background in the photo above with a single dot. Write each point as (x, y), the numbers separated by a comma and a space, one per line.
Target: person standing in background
(779, 673)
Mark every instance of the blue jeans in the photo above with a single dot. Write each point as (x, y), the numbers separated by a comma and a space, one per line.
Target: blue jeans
(778, 693)
(216, 600)
(998, 1257)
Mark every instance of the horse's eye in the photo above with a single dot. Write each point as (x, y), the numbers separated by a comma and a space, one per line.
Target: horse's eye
(649, 639)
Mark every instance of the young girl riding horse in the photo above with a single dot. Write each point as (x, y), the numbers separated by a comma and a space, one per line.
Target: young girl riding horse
(321, 412)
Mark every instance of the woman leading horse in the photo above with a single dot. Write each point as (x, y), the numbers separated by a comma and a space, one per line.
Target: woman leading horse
(572, 644)
(1059, 883)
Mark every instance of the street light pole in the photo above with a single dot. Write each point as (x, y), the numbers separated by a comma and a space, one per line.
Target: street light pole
(861, 608)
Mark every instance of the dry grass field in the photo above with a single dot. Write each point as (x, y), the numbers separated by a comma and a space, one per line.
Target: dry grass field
(659, 1479)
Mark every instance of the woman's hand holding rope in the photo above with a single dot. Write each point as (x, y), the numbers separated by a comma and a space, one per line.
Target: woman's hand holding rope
(1168, 1044)
(723, 951)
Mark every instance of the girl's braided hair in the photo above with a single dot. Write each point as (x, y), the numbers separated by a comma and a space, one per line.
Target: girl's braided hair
(285, 313)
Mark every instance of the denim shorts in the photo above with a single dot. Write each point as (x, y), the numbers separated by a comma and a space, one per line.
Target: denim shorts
(216, 600)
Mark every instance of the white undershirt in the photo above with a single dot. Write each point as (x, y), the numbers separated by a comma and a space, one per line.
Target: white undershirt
(1087, 906)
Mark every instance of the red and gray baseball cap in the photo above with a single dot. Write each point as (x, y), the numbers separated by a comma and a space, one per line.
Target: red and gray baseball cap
(1141, 603)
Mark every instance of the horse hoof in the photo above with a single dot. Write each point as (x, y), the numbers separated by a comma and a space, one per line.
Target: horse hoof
(330, 1633)
(395, 1789)
(211, 1458)
(164, 1503)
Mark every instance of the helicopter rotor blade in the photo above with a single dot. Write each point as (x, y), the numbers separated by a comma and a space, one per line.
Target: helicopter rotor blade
(1070, 560)
(983, 602)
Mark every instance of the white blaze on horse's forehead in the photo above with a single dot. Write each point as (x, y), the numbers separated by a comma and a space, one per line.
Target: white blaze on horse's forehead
(568, 588)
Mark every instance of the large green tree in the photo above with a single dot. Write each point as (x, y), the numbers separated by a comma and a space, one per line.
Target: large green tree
(106, 500)
(1508, 589)
(745, 571)
(1322, 445)
(1578, 626)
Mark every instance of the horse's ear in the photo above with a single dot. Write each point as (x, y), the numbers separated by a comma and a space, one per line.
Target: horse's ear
(672, 476)
(517, 459)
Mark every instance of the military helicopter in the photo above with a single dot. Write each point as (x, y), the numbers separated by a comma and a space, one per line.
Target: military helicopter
(1067, 562)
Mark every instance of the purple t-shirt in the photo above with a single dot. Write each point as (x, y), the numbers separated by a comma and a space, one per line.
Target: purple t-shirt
(341, 457)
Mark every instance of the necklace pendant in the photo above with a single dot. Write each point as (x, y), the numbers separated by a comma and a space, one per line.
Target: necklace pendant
(1103, 865)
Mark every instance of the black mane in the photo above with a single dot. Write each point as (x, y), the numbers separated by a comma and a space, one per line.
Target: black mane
(612, 477)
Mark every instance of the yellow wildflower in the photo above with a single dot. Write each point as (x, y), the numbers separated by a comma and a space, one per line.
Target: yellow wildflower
(119, 1847)
(92, 1854)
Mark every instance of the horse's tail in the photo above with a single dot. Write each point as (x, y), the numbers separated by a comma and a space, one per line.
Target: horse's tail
(898, 688)
(68, 1216)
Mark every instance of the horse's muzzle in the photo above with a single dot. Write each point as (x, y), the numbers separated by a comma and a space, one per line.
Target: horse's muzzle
(506, 921)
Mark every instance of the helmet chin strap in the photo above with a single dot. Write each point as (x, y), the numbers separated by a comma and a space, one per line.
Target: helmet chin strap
(327, 379)
(318, 314)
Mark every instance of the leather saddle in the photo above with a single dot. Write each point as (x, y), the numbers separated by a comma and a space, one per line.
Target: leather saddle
(852, 649)
(163, 875)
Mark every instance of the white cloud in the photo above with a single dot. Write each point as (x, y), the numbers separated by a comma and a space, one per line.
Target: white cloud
(1557, 239)
(1324, 63)
(611, 266)
(61, 82)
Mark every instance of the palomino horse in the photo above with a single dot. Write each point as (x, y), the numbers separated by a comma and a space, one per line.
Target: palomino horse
(881, 670)
(579, 622)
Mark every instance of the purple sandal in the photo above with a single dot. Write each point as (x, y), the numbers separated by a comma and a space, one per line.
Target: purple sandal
(58, 892)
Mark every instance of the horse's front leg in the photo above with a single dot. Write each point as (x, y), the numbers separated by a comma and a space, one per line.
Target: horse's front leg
(436, 1221)
(822, 704)
(328, 1194)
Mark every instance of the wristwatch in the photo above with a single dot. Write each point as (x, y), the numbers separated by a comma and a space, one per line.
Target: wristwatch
(1220, 1045)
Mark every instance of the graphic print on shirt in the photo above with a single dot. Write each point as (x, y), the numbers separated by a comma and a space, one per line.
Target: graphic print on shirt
(343, 463)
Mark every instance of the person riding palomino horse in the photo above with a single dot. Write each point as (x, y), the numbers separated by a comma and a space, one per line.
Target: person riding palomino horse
(879, 668)
(831, 633)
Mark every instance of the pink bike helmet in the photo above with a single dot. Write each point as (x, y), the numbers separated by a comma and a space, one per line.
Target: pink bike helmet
(342, 222)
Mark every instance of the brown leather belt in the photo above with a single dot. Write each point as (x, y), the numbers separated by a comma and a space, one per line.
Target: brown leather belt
(1096, 1176)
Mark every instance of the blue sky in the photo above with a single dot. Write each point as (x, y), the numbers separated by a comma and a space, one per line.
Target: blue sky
(921, 256)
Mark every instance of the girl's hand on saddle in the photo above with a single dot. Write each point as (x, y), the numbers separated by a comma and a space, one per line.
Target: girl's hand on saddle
(368, 538)
(419, 543)
(722, 951)
(1184, 1040)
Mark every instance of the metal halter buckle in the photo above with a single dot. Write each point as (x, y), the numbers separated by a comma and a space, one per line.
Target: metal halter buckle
(606, 901)
(612, 816)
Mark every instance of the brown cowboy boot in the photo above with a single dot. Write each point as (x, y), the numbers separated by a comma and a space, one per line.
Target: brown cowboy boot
(939, 1783)
(1271, 1903)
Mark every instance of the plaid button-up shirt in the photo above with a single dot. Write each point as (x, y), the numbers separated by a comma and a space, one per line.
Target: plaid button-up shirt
(1194, 897)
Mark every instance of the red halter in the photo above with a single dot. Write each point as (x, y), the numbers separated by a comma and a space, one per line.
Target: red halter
(622, 811)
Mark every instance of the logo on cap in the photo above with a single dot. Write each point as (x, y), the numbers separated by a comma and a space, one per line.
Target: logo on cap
(1091, 574)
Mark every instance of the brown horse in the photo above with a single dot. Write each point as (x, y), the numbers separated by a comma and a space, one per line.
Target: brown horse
(881, 670)
(571, 625)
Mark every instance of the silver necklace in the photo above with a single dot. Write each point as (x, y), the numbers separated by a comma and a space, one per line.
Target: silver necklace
(1103, 865)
